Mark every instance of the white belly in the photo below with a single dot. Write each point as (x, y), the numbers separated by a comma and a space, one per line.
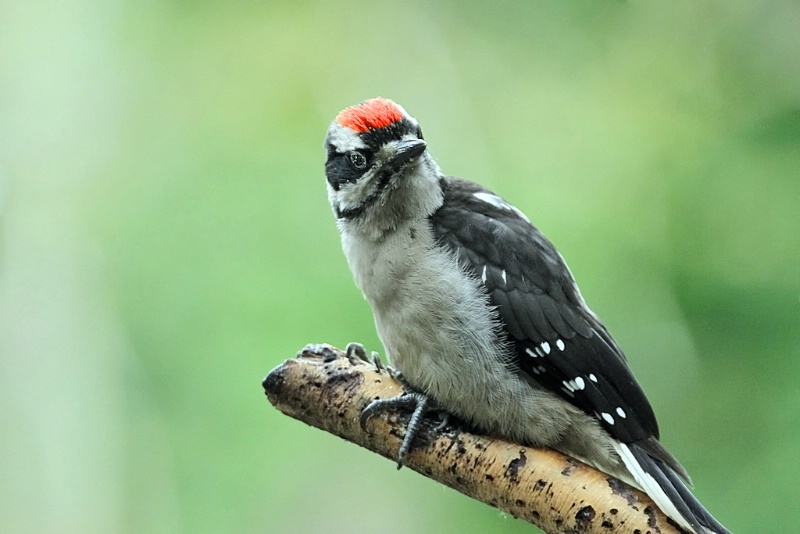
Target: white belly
(439, 331)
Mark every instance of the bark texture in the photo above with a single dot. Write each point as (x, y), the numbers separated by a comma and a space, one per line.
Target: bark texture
(325, 389)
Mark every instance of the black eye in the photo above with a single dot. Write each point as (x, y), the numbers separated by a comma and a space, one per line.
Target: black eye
(358, 160)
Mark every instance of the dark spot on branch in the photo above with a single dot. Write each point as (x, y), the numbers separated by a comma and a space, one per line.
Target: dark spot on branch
(624, 491)
(674, 524)
(651, 516)
(571, 466)
(585, 515)
(341, 385)
(516, 464)
(273, 382)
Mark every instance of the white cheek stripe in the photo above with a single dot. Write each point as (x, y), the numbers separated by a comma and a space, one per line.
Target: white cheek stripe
(344, 139)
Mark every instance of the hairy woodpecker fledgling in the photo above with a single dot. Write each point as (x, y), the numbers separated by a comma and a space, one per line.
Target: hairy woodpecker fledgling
(479, 312)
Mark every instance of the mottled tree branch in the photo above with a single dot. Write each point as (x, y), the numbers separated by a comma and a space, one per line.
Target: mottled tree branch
(325, 389)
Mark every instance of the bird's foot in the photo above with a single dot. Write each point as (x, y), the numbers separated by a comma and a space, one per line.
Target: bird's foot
(421, 404)
(411, 398)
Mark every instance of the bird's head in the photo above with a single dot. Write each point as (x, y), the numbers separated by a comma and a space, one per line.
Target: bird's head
(378, 168)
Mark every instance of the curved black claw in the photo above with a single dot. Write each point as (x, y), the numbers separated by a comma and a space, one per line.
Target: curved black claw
(357, 351)
(444, 420)
(325, 350)
(421, 404)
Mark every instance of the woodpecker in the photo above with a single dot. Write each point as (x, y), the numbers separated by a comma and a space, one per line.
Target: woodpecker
(480, 315)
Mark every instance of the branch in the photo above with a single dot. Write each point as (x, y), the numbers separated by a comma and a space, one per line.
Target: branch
(323, 388)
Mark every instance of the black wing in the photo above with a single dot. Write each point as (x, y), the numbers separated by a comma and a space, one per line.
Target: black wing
(558, 341)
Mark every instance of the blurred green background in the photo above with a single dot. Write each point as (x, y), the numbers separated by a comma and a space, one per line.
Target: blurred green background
(166, 240)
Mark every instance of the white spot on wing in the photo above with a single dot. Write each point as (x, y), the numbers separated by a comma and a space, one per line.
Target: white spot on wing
(607, 417)
(621, 412)
(504, 277)
(579, 383)
(499, 203)
(560, 344)
(592, 377)
(545, 347)
(531, 353)
(494, 200)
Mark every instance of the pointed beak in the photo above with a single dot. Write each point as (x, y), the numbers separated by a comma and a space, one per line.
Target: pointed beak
(405, 151)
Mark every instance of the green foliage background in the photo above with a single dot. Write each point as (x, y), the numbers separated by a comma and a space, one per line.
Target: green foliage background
(166, 240)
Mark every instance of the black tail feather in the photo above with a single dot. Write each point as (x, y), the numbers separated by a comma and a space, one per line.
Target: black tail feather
(686, 504)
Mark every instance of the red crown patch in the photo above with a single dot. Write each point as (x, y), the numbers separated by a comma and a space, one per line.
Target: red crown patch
(370, 115)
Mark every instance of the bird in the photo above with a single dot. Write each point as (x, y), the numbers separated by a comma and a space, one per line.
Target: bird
(480, 315)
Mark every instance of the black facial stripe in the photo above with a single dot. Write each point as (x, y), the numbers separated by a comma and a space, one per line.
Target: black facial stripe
(352, 213)
(393, 132)
(339, 170)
